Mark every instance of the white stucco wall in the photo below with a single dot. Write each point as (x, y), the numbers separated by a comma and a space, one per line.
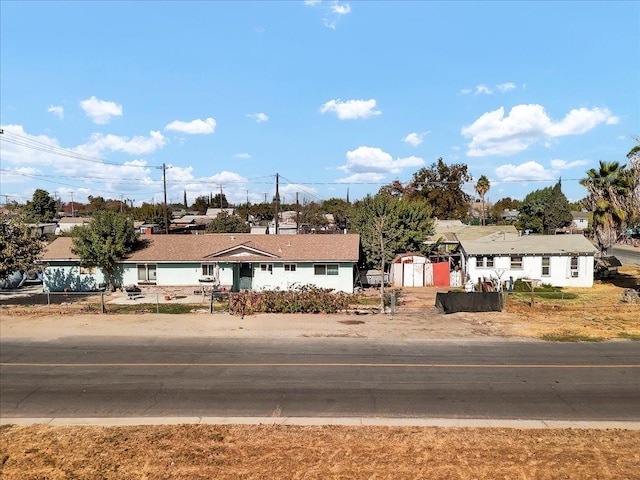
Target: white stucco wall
(303, 275)
(559, 270)
(274, 278)
(61, 276)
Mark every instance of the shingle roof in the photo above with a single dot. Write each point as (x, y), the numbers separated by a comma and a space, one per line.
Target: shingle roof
(231, 247)
(530, 245)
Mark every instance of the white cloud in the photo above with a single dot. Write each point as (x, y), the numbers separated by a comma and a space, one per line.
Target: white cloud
(581, 120)
(505, 87)
(18, 175)
(340, 9)
(558, 164)
(369, 160)
(332, 11)
(525, 125)
(351, 109)
(57, 110)
(134, 146)
(100, 111)
(242, 155)
(529, 171)
(414, 138)
(193, 127)
(486, 90)
(259, 117)
(363, 178)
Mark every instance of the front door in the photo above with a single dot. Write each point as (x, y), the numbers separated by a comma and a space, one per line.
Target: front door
(245, 276)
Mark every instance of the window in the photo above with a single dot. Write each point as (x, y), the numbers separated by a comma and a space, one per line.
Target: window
(146, 273)
(488, 262)
(289, 267)
(516, 263)
(266, 267)
(328, 269)
(574, 267)
(208, 270)
(546, 266)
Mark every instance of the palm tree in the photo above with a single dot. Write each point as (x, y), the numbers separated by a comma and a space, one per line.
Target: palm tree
(482, 187)
(608, 190)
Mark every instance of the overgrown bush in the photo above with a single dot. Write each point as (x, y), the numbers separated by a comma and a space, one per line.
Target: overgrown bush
(302, 299)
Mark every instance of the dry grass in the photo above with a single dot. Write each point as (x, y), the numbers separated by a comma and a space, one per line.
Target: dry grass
(287, 452)
(596, 313)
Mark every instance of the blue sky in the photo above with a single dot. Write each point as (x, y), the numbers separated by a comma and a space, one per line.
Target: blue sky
(334, 96)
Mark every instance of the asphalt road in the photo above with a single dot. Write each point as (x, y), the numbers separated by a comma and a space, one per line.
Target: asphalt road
(91, 377)
(626, 254)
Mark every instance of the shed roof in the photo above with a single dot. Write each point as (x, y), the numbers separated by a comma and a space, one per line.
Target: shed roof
(530, 245)
(230, 247)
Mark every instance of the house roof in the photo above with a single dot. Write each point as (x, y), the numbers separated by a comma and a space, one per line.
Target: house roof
(456, 231)
(530, 245)
(74, 220)
(231, 247)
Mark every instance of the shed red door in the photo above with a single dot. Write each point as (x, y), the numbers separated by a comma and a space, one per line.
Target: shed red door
(441, 274)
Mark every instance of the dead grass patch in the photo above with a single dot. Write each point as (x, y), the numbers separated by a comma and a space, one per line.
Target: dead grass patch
(272, 451)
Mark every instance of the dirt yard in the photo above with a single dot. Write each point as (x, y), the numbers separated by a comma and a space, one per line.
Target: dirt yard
(298, 452)
(338, 452)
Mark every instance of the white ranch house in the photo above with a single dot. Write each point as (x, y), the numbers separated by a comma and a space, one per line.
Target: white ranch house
(558, 260)
(234, 261)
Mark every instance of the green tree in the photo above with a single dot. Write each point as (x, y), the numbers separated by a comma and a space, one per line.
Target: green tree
(634, 180)
(545, 210)
(482, 186)
(201, 204)
(19, 247)
(497, 209)
(441, 186)
(217, 202)
(108, 237)
(225, 223)
(389, 225)
(340, 209)
(608, 189)
(41, 208)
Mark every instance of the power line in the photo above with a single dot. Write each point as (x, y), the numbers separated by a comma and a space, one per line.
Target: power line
(30, 143)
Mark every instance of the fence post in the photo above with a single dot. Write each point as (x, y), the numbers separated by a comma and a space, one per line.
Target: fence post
(48, 299)
(157, 303)
(393, 304)
(101, 302)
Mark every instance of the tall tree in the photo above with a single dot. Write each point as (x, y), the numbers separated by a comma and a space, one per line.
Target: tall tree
(41, 208)
(608, 189)
(441, 186)
(219, 200)
(482, 187)
(19, 247)
(545, 210)
(634, 172)
(340, 209)
(389, 225)
(108, 237)
(496, 211)
(201, 204)
(225, 223)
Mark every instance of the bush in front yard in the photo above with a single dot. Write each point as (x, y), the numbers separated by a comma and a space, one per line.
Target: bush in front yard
(301, 299)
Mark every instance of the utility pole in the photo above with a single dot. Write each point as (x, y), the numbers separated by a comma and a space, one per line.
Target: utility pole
(73, 212)
(297, 214)
(166, 212)
(221, 207)
(276, 200)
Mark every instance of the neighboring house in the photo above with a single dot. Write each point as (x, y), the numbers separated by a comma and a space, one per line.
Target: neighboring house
(510, 215)
(66, 224)
(234, 261)
(558, 260)
(214, 212)
(191, 222)
(42, 229)
(580, 221)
